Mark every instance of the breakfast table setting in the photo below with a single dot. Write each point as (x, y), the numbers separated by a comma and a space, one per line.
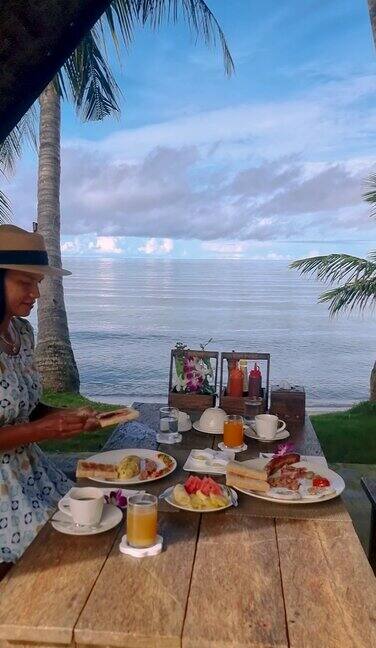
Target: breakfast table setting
(192, 545)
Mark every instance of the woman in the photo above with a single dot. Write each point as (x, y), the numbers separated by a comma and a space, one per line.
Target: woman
(30, 484)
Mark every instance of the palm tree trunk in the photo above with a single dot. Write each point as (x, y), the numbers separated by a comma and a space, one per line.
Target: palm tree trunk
(54, 354)
(373, 384)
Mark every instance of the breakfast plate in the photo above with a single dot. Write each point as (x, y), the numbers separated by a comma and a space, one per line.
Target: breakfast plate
(332, 484)
(111, 516)
(252, 434)
(132, 466)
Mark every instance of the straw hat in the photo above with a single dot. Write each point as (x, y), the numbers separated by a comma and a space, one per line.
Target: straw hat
(25, 251)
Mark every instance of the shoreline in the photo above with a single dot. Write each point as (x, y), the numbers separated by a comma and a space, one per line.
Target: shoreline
(324, 408)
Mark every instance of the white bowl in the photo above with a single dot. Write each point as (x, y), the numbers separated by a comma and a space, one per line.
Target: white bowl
(211, 420)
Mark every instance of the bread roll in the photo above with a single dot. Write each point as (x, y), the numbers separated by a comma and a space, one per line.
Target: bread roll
(247, 483)
(117, 416)
(243, 469)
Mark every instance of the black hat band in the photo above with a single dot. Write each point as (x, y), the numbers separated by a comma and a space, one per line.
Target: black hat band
(24, 257)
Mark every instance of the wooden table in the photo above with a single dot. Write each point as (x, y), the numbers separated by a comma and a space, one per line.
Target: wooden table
(225, 579)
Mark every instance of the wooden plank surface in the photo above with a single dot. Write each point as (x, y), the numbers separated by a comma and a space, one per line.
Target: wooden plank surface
(235, 597)
(329, 588)
(43, 595)
(141, 603)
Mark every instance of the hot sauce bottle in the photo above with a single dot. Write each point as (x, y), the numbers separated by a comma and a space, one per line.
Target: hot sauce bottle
(235, 381)
(254, 382)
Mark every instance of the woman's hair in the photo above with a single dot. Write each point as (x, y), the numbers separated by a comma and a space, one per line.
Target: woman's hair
(2, 294)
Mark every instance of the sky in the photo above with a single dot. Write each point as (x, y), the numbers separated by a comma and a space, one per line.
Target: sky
(270, 163)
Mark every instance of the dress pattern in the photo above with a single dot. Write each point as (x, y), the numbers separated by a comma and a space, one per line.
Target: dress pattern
(30, 484)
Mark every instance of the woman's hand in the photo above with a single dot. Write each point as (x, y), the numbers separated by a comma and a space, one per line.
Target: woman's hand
(65, 423)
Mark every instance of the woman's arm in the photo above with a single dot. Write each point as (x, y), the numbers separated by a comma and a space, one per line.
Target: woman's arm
(56, 425)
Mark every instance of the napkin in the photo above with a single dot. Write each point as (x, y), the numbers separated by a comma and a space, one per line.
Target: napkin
(220, 457)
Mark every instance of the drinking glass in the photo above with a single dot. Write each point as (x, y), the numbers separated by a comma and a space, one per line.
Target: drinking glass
(252, 407)
(168, 425)
(142, 520)
(233, 431)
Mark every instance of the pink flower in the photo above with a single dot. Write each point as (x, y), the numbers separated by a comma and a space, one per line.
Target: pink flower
(189, 363)
(194, 381)
(284, 448)
(117, 499)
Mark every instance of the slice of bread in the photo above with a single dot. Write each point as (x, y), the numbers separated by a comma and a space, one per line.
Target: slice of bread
(99, 470)
(242, 469)
(247, 483)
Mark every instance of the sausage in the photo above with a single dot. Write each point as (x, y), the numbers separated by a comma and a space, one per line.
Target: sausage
(276, 463)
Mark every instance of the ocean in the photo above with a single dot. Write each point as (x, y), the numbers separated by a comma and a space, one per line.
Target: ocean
(126, 315)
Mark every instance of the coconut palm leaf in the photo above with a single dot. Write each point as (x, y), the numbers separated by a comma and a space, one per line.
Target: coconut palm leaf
(197, 15)
(11, 146)
(92, 86)
(355, 294)
(5, 208)
(336, 267)
(370, 195)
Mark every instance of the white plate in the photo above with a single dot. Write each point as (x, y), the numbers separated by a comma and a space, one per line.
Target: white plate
(202, 467)
(115, 456)
(336, 482)
(170, 500)
(251, 433)
(111, 516)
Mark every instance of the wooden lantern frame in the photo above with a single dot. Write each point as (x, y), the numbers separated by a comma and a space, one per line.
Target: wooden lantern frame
(235, 404)
(192, 401)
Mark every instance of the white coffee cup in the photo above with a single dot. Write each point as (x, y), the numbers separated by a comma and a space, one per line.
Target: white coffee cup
(267, 426)
(184, 422)
(83, 505)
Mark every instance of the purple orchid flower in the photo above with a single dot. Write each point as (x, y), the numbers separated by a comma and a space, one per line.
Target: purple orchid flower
(283, 449)
(117, 499)
(194, 382)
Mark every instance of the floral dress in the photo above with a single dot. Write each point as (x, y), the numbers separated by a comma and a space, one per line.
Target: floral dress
(30, 484)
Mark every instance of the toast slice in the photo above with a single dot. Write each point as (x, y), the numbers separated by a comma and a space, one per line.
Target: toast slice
(98, 470)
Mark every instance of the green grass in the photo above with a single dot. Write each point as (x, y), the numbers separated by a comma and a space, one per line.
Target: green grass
(348, 437)
(85, 442)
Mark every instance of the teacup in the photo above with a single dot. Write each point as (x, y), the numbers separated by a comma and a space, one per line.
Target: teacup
(267, 426)
(83, 505)
(184, 422)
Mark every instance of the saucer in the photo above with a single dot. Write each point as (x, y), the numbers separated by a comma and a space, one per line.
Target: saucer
(251, 433)
(241, 448)
(196, 426)
(111, 516)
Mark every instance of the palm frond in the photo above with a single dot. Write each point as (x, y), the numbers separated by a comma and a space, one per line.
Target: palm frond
(200, 20)
(356, 294)
(197, 14)
(5, 209)
(370, 195)
(336, 267)
(91, 82)
(11, 146)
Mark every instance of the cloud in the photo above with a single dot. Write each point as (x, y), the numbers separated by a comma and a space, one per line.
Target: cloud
(152, 246)
(106, 245)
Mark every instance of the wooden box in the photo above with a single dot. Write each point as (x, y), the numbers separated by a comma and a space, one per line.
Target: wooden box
(289, 405)
(235, 405)
(192, 401)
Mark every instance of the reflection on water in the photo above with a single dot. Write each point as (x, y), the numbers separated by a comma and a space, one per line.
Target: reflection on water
(126, 315)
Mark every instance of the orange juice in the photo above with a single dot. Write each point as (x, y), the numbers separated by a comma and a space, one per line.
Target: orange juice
(233, 433)
(141, 521)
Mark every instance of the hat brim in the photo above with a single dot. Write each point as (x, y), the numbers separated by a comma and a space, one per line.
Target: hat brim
(38, 269)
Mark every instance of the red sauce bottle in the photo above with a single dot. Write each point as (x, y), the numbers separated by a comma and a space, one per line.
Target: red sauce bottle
(235, 381)
(254, 382)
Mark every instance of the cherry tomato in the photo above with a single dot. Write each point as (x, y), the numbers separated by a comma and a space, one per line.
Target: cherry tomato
(320, 482)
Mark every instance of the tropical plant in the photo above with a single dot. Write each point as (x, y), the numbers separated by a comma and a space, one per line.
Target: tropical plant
(356, 276)
(88, 81)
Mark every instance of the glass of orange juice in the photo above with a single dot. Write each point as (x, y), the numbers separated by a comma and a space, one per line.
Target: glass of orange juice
(233, 431)
(142, 520)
